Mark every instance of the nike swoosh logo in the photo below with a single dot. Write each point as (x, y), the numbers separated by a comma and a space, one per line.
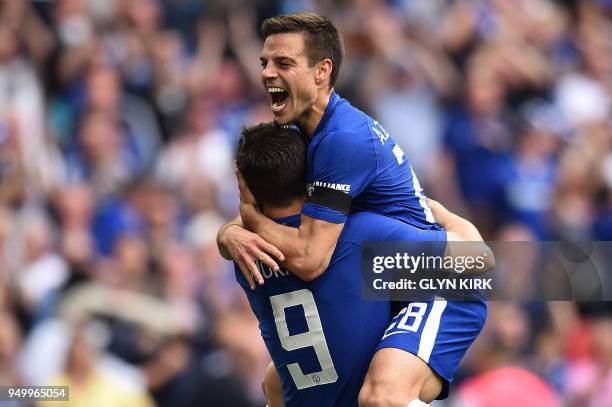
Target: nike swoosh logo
(393, 333)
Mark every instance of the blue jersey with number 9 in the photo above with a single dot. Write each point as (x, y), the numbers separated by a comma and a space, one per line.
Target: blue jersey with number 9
(320, 334)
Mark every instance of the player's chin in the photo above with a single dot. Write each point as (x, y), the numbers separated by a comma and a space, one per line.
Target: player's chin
(282, 119)
(285, 115)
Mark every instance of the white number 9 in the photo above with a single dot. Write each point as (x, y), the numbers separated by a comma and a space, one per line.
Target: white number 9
(313, 337)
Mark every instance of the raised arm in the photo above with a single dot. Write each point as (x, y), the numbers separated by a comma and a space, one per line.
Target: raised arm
(308, 249)
(463, 239)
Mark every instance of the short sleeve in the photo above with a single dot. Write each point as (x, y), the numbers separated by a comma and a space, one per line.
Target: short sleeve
(341, 166)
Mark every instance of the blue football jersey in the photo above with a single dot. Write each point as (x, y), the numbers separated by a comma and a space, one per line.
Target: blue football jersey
(320, 334)
(354, 163)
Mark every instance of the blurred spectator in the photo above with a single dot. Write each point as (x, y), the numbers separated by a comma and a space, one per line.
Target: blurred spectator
(88, 385)
(590, 381)
(13, 186)
(199, 161)
(529, 191)
(10, 344)
(103, 157)
(74, 205)
(42, 271)
(479, 139)
(104, 93)
(500, 388)
(22, 114)
(118, 121)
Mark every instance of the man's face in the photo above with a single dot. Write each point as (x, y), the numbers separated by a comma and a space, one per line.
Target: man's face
(287, 78)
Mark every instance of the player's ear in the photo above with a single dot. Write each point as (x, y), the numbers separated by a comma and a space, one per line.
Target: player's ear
(323, 71)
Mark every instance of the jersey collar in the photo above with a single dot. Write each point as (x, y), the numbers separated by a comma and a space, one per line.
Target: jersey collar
(292, 220)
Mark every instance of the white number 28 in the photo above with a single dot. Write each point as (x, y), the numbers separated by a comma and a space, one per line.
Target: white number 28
(314, 337)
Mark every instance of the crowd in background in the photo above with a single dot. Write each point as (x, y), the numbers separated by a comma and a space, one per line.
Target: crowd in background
(118, 121)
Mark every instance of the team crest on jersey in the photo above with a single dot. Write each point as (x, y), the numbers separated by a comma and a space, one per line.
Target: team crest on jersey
(310, 189)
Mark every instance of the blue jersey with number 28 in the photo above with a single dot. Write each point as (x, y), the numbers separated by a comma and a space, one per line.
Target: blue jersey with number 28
(320, 334)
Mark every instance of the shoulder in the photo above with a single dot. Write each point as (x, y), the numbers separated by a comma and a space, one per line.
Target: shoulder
(362, 226)
(350, 136)
(347, 120)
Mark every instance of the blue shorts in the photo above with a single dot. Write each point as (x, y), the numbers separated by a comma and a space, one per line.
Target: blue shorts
(437, 331)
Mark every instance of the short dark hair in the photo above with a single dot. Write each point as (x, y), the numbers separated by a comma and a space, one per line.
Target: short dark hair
(321, 38)
(272, 161)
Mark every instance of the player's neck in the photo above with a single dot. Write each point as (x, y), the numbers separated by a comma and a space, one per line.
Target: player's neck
(293, 208)
(313, 118)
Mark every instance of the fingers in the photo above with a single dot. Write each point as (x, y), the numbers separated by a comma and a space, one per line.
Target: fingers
(244, 268)
(272, 250)
(246, 248)
(433, 203)
(268, 261)
(436, 208)
(250, 270)
(256, 273)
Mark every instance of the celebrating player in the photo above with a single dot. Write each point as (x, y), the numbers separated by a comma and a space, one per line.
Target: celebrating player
(320, 334)
(353, 164)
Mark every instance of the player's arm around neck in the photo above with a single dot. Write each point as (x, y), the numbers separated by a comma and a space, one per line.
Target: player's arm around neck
(463, 239)
(307, 249)
(221, 235)
(246, 248)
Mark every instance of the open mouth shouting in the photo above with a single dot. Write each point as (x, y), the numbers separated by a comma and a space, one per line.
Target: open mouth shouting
(278, 98)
